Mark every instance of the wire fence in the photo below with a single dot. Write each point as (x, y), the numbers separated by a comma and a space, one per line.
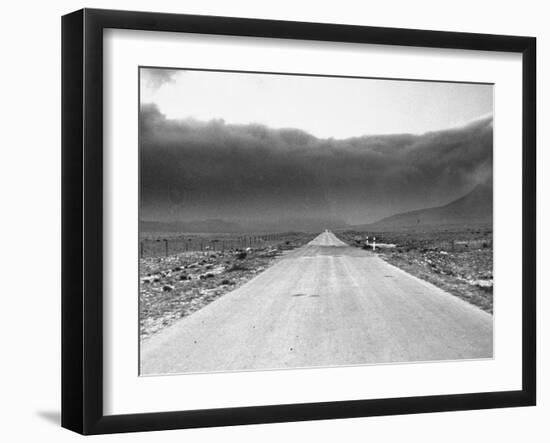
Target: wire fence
(389, 241)
(170, 246)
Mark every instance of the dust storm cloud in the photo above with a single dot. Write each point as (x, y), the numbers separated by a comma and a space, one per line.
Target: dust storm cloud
(262, 177)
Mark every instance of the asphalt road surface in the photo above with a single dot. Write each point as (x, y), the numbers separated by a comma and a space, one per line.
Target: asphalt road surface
(324, 304)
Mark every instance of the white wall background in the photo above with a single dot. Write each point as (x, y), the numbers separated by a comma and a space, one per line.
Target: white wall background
(30, 219)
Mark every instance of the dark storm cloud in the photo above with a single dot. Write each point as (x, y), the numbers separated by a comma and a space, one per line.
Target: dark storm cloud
(155, 78)
(196, 170)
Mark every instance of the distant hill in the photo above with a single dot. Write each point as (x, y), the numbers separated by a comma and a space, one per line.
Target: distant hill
(474, 207)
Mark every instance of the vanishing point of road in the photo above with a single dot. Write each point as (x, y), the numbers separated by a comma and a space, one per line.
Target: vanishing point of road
(324, 304)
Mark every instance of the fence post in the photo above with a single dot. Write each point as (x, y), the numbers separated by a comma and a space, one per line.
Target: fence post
(141, 249)
(166, 247)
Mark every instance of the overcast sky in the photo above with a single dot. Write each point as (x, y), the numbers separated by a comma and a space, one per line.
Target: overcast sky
(323, 106)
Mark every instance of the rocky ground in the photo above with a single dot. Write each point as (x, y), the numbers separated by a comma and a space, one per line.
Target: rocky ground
(458, 260)
(177, 285)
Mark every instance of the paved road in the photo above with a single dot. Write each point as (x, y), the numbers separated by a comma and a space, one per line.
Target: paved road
(323, 304)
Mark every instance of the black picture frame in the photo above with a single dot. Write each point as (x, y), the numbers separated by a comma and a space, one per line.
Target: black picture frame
(82, 218)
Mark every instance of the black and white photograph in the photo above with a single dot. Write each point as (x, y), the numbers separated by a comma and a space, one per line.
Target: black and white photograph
(301, 221)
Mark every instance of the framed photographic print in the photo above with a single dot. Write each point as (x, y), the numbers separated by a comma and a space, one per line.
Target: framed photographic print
(269, 221)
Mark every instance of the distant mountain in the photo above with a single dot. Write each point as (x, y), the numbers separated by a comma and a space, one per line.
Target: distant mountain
(474, 207)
